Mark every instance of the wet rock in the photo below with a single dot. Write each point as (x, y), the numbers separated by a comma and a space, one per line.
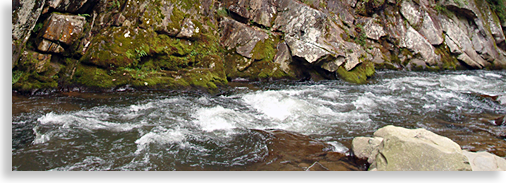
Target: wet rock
(485, 161)
(60, 29)
(296, 152)
(502, 99)
(412, 150)
(332, 66)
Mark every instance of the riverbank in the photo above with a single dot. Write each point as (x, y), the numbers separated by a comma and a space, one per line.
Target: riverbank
(169, 44)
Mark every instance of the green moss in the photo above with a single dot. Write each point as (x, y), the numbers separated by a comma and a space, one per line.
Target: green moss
(93, 76)
(449, 62)
(265, 49)
(16, 75)
(33, 80)
(359, 74)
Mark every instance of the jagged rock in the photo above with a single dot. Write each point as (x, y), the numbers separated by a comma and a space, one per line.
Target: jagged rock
(411, 12)
(353, 55)
(419, 45)
(373, 30)
(461, 7)
(332, 66)
(241, 37)
(411, 150)
(463, 42)
(34, 61)
(60, 29)
(25, 14)
(188, 29)
(431, 29)
(304, 28)
(261, 12)
(49, 46)
(283, 58)
(72, 6)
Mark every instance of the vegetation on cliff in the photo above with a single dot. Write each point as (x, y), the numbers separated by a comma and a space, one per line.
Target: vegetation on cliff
(207, 43)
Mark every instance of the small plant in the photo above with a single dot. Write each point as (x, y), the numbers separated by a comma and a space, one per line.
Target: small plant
(84, 15)
(16, 75)
(222, 12)
(37, 27)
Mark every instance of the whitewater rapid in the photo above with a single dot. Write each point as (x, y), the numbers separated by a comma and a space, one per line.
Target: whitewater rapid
(167, 131)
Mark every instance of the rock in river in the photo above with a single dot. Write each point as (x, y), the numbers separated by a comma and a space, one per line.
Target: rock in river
(403, 149)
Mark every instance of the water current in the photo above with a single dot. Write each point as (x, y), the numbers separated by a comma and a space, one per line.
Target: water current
(253, 126)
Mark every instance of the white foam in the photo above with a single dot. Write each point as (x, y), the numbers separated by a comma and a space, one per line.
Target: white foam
(136, 108)
(493, 75)
(217, 118)
(160, 135)
(88, 123)
(275, 104)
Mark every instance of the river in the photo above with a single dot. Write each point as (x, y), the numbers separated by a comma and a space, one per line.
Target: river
(252, 126)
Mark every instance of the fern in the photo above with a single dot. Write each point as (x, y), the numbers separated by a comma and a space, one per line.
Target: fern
(16, 75)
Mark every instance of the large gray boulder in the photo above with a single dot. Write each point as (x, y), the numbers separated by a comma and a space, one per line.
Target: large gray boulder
(241, 37)
(400, 149)
(304, 29)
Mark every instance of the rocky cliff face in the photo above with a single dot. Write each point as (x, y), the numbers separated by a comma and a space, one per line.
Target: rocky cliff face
(206, 43)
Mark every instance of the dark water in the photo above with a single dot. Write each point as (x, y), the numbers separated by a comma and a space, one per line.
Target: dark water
(255, 126)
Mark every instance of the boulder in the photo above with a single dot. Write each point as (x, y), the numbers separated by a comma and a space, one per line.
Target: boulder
(411, 12)
(283, 58)
(261, 12)
(485, 161)
(404, 149)
(459, 39)
(241, 37)
(60, 29)
(419, 45)
(431, 29)
(304, 29)
(373, 30)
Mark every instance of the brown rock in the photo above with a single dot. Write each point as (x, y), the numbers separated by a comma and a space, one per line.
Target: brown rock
(63, 28)
(240, 36)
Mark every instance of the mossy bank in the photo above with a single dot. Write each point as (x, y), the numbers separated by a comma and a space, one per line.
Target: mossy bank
(204, 44)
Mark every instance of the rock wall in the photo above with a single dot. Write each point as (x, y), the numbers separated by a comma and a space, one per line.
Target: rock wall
(99, 44)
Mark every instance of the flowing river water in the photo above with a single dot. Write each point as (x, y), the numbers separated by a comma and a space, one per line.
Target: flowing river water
(253, 126)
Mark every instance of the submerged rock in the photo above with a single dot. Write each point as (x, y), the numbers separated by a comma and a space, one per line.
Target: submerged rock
(403, 149)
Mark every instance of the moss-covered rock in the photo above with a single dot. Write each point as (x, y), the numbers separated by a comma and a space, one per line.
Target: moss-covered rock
(359, 74)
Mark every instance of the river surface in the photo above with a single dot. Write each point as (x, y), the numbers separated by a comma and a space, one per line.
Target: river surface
(253, 126)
